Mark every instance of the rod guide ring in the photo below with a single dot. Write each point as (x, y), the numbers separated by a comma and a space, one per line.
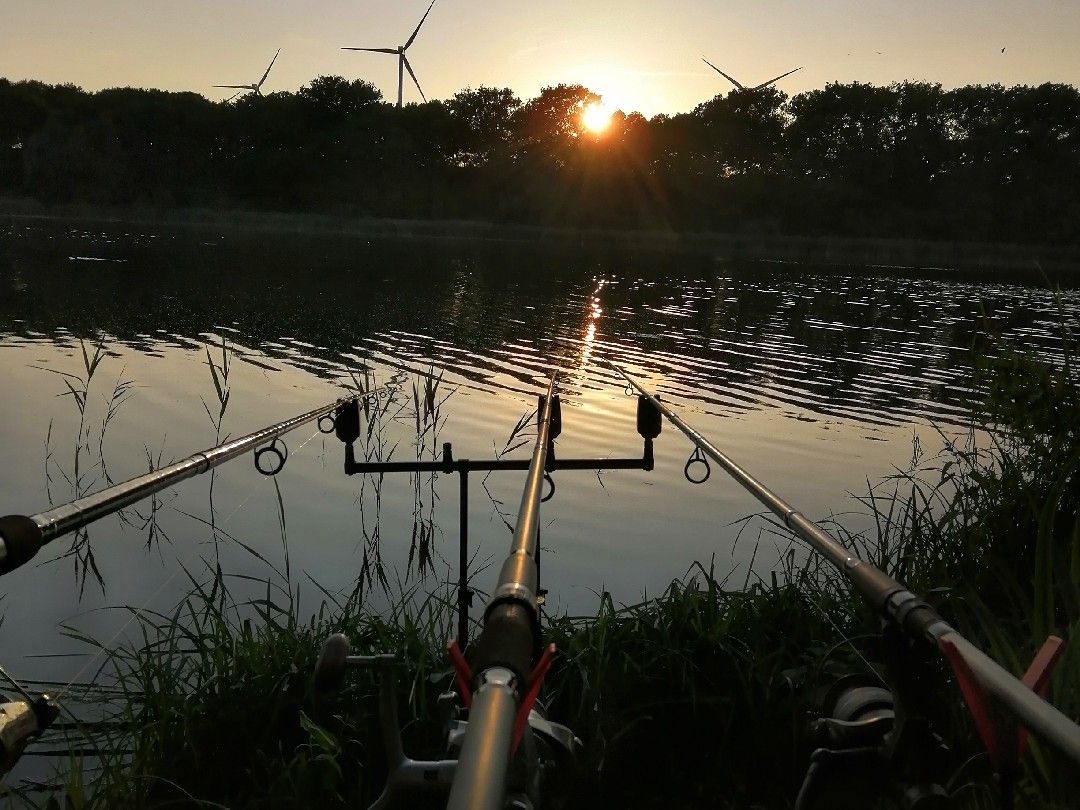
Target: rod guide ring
(697, 457)
(271, 459)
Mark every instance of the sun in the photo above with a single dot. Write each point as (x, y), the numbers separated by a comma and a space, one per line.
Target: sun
(596, 117)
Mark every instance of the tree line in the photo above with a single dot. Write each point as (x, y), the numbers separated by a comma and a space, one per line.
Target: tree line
(908, 160)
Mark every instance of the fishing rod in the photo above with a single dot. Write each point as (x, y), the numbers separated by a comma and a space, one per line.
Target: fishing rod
(22, 536)
(985, 685)
(506, 661)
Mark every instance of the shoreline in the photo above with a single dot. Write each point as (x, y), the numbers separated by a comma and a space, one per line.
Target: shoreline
(891, 253)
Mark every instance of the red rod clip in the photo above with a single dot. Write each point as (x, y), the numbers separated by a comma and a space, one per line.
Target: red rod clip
(1037, 678)
(1004, 742)
(462, 672)
(536, 680)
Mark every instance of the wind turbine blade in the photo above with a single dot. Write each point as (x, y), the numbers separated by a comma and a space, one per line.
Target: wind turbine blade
(408, 67)
(263, 79)
(417, 31)
(372, 50)
(718, 70)
(778, 78)
(233, 86)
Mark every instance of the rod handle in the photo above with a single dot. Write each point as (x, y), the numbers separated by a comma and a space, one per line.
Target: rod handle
(20, 540)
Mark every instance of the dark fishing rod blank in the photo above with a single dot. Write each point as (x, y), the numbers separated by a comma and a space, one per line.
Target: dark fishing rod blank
(892, 600)
(507, 645)
(22, 536)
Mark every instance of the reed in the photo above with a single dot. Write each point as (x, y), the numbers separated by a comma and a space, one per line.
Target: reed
(86, 468)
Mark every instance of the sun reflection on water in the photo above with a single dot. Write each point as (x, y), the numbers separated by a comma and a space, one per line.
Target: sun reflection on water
(593, 311)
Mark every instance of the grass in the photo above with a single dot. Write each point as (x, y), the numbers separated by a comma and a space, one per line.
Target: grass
(699, 698)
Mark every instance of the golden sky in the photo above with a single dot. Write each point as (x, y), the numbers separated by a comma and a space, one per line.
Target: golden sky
(640, 54)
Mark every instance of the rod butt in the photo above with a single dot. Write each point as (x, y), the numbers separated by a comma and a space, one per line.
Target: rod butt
(20, 540)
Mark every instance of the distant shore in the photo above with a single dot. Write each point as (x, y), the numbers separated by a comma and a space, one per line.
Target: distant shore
(752, 246)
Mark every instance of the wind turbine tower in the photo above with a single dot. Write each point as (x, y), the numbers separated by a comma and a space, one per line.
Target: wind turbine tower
(403, 60)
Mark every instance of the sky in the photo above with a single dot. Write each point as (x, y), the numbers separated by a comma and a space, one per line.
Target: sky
(639, 54)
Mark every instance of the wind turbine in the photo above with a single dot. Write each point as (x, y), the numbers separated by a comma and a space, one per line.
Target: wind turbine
(254, 88)
(403, 61)
(740, 86)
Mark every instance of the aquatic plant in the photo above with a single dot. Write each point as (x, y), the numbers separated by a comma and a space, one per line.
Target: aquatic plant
(87, 466)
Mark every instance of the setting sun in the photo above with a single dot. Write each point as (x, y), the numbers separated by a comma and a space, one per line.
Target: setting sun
(596, 118)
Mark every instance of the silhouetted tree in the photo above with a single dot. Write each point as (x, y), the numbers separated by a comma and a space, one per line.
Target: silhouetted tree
(484, 121)
(332, 99)
(551, 124)
(740, 132)
(910, 159)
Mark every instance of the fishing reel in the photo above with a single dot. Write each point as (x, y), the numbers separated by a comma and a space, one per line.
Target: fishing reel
(20, 722)
(875, 739)
(545, 746)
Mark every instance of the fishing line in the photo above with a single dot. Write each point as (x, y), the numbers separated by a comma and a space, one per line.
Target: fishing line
(17, 685)
(847, 641)
(180, 566)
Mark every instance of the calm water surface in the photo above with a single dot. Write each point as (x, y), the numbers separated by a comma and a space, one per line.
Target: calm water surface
(816, 380)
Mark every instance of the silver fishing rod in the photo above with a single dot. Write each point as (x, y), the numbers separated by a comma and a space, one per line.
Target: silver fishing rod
(21, 536)
(892, 599)
(506, 647)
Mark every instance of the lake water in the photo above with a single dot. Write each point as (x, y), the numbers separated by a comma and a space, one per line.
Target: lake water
(816, 380)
